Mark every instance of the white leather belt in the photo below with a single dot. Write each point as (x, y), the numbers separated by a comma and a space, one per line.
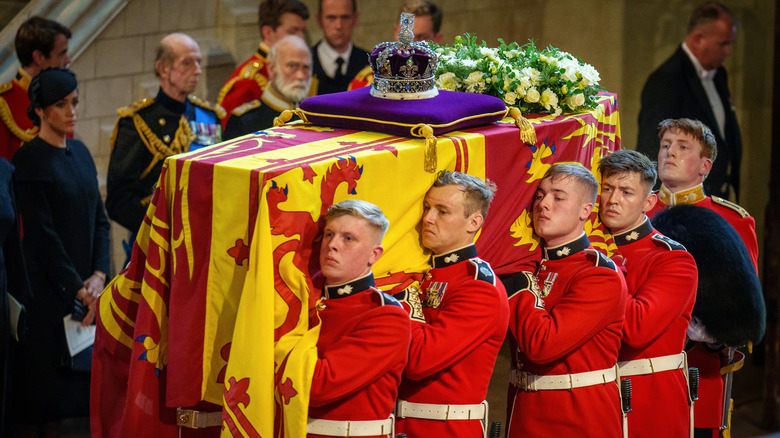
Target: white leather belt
(532, 382)
(426, 411)
(197, 419)
(319, 426)
(651, 365)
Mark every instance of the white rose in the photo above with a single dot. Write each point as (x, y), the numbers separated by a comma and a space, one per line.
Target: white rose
(575, 101)
(510, 98)
(590, 76)
(474, 83)
(532, 95)
(448, 81)
(549, 99)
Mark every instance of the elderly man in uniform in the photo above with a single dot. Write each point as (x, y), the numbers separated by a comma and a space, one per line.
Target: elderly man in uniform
(338, 64)
(277, 18)
(40, 44)
(289, 71)
(459, 319)
(687, 151)
(566, 319)
(151, 129)
(364, 337)
(661, 277)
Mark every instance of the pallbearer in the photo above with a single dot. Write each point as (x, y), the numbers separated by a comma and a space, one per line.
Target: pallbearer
(661, 277)
(459, 318)
(364, 334)
(566, 318)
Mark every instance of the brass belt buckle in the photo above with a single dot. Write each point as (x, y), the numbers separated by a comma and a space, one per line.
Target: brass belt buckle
(185, 418)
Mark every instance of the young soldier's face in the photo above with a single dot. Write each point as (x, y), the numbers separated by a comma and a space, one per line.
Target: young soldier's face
(624, 201)
(445, 226)
(559, 210)
(680, 162)
(349, 248)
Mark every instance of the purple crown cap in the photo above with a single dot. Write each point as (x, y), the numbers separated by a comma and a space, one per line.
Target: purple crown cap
(404, 69)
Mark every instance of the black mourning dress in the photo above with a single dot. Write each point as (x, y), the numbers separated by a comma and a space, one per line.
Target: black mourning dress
(65, 239)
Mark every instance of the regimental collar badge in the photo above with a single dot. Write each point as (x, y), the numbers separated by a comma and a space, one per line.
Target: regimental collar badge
(687, 196)
(434, 293)
(452, 257)
(640, 232)
(567, 249)
(349, 288)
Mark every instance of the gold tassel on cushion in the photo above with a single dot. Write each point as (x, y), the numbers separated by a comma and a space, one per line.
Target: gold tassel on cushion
(283, 118)
(527, 131)
(425, 131)
(286, 116)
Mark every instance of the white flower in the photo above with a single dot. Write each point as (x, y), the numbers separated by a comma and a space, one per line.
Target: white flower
(532, 74)
(575, 101)
(474, 83)
(532, 95)
(488, 52)
(470, 63)
(510, 98)
(570, 67)
(590, 76)
(448, 81)
(549, 99)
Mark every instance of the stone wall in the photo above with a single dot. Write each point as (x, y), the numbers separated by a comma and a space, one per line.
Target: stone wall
(624, 40)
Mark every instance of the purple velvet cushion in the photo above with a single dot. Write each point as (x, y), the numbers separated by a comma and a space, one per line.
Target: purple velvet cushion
(357, 109)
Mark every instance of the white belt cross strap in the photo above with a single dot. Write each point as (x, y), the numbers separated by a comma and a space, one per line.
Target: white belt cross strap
(652, 365)
(428, 411)
(348, 428)
(532, 382)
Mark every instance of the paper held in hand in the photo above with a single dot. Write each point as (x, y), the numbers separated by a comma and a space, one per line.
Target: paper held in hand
(79, 338)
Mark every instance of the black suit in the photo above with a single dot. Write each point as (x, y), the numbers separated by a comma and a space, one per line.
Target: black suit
(674, 91)
(358, 60)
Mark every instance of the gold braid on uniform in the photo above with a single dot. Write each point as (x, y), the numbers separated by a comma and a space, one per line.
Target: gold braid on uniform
(181, 141)
(8, 118)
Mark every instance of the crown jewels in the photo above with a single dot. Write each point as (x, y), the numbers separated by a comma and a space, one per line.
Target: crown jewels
(406, 69)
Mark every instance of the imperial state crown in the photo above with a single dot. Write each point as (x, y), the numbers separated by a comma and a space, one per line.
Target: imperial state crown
(404, 69)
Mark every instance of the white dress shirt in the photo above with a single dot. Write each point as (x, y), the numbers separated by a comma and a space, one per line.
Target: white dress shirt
(707, 81)
(328, 55)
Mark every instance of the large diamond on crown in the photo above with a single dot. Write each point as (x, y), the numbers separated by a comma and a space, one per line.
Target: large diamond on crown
(404, 69)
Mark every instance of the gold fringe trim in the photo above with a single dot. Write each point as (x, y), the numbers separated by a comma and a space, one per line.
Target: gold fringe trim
(25, 135)
(159, 150)
(527, 131)
(431, 160)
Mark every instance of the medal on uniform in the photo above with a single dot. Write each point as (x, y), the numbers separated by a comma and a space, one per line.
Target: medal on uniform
(548, 283)
(434, 293)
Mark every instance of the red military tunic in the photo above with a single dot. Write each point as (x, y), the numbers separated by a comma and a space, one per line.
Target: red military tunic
(572, 326)
(453, 352)
(16, 127)
(246, 83)
(361, 353)
(708, 409)
(661, 277)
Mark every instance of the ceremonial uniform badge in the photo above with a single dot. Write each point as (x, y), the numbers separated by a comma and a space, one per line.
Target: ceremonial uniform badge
(434, 293)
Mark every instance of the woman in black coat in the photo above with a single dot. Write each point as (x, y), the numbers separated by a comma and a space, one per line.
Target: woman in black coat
(65, 241)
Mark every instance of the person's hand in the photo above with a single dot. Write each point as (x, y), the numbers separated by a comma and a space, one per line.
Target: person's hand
(95, 283)
(89, 300)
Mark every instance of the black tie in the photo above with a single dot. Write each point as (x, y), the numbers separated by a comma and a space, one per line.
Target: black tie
(339, 76)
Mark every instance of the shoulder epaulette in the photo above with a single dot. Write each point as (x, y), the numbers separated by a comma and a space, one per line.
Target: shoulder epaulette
(388, 300)
(601, 260)
(730, 205)
(218, 110)
(666, 242)
(244, 108)
(128, 111)
(482, 270)
(5, 87)
(250, 69)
